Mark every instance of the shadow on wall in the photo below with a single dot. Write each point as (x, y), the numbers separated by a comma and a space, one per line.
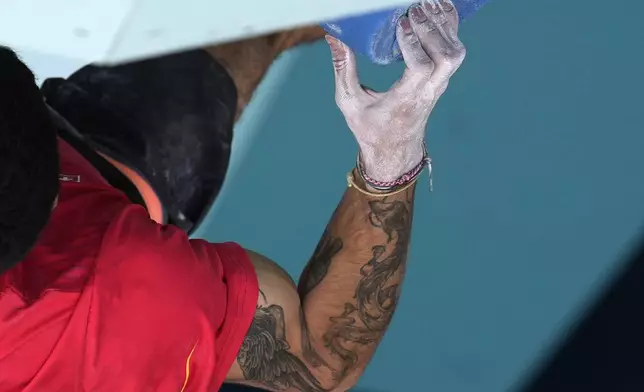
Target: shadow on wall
(604, 351)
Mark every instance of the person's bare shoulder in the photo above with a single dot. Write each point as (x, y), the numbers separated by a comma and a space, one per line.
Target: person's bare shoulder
(278, 353)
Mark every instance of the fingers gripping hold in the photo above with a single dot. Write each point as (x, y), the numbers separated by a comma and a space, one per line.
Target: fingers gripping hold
(436, 24)
(430, 46)
(412, 50)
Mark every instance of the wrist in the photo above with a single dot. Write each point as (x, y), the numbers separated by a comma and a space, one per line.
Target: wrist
(390, 163)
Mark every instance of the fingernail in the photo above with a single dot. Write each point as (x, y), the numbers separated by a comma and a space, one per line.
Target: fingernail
(332, 42)
(335, 43)
(405, 24)
(432, 6)
(337, 49)
(417, 14)
(447, 5)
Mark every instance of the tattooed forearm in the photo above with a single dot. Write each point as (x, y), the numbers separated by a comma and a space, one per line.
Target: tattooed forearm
(318, 266)
(265, 358)
(365, 320)
(347, 297)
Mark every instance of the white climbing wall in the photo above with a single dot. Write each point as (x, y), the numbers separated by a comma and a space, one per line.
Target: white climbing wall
(121, 30)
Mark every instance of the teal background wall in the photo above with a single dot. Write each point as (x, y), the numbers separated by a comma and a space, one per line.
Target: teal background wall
(538, 187)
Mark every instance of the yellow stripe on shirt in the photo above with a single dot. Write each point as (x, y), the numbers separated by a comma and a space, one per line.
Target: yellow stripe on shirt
(185, 383)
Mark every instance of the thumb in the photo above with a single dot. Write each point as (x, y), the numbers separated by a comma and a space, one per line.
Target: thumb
(347, 84)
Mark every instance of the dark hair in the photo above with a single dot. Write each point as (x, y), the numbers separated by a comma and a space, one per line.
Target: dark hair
(28, 160)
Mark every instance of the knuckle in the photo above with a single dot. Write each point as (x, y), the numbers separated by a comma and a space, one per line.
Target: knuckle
(426, 65)
(412, 41)
(452, 58)
(426, 31)
(440, 90)
(340, 63)
(453, 53)
(460, 53)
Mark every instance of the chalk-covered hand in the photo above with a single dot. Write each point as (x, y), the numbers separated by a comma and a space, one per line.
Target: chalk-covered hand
(390, 126)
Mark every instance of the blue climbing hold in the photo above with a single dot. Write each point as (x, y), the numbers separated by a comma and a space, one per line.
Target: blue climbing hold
(374, 34)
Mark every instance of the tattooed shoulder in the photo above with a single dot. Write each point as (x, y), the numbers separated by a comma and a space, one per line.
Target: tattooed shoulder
(265, 355)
